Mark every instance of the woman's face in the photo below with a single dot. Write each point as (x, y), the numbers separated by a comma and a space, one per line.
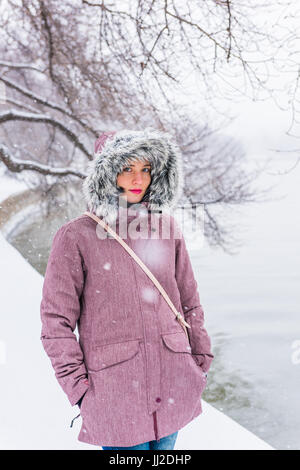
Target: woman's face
(135, 179)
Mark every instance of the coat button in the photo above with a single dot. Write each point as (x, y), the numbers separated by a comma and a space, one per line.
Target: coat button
(158, 400)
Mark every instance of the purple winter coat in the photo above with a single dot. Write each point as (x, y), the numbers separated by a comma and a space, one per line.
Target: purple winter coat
(133, 367)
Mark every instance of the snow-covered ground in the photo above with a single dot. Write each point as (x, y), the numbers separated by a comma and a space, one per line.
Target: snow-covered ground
(34, 411)
(9, 186)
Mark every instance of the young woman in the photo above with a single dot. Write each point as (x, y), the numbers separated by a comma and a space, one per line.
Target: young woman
(134, 373)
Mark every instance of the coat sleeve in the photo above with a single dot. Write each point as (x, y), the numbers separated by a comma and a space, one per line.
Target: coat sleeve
(60, 310)
(191, 307)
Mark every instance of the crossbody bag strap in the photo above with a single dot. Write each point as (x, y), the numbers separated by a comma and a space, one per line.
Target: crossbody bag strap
(178, 315)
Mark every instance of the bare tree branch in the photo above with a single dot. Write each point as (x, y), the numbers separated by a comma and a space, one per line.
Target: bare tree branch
(15, 115)
(21, 66)
(49, 104)
(17, 166)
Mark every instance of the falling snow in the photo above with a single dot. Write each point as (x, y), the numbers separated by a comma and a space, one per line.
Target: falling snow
(151, 252)
(149, 294)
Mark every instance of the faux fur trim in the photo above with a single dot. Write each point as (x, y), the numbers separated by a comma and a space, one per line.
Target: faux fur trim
(99, 187)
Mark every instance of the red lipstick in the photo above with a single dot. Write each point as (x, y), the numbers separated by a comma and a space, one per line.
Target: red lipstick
(136, 191)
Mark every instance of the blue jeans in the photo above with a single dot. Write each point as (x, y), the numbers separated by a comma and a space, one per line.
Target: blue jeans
(165, 443)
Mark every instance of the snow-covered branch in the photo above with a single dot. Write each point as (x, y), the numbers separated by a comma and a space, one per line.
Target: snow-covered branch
(16, 166)
(39, 99)
(20, 104)
(15, 115)
(20, 66)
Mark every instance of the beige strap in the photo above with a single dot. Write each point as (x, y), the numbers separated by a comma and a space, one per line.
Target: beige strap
(178, 315)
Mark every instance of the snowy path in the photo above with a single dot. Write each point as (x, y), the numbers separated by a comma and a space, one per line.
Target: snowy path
(35, 413)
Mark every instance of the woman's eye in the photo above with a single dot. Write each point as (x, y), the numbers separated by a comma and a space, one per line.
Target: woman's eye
(127, 169)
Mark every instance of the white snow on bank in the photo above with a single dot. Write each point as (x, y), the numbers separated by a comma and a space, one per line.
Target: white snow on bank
(34, 412)
(9, 185)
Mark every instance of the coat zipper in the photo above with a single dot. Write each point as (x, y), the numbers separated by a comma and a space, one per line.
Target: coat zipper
(154, 413)
(155, 425)
(74, 420)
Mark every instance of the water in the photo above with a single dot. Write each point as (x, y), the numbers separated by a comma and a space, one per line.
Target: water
(251, 303)
(33, 225)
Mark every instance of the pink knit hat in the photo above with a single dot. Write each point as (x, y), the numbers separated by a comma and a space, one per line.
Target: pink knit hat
(100, 142)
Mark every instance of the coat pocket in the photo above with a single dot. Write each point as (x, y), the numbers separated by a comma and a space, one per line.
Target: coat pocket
(177, 342)
(108, 355)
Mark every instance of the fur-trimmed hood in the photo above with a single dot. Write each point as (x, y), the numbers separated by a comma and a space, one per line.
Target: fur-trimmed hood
(114, 150)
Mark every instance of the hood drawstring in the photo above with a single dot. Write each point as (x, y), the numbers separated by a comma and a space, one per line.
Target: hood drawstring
(74, 420)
